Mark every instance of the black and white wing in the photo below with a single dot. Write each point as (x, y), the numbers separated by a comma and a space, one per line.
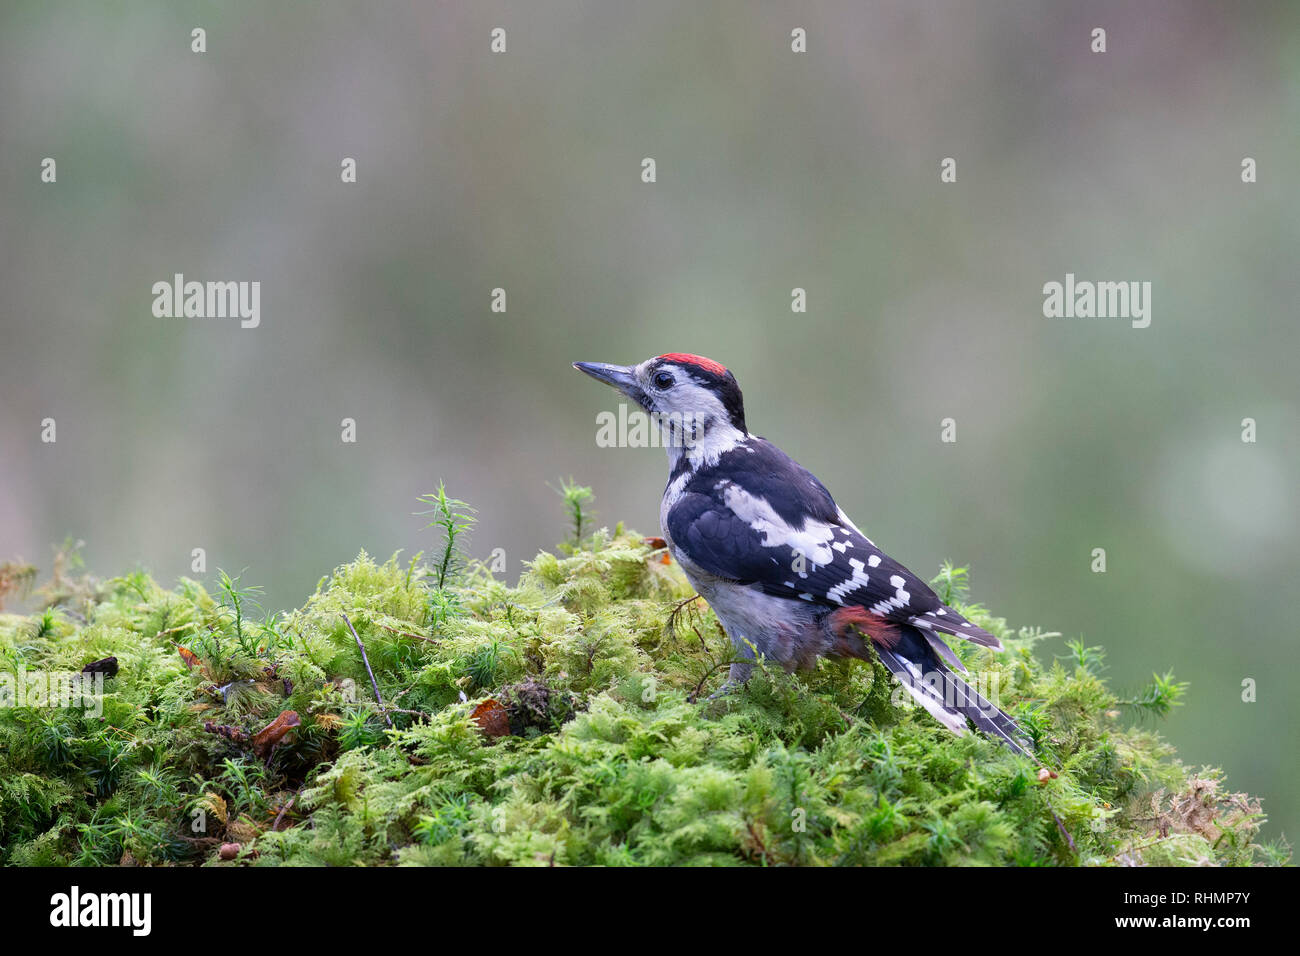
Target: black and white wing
(807, 550)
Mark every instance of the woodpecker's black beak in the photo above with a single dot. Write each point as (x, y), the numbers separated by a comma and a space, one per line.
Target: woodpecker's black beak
(620, 377)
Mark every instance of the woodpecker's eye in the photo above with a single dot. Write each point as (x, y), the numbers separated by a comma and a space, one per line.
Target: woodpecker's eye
(663, 380)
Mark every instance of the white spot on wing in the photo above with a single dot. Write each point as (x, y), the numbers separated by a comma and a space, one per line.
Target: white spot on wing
(900, 599)
(856, 580)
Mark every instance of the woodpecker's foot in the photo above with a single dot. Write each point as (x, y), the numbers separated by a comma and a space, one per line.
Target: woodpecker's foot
(729, 686)
(737, 677)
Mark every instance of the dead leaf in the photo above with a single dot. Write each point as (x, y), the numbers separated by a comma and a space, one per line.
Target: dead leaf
(492, 718)
(273, 734)
(192, 660)
(658, 544)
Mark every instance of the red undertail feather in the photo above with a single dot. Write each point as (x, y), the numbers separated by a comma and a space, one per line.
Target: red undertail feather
(846, 620)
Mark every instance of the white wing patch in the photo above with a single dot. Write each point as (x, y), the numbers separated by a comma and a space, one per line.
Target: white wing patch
(813, 540)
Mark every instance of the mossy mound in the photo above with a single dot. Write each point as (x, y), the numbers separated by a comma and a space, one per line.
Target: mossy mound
(561, 721)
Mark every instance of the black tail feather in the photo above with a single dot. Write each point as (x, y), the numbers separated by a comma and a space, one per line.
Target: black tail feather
(942, 692)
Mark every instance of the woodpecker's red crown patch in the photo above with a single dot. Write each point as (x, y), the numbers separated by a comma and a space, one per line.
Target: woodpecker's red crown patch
(686, 358)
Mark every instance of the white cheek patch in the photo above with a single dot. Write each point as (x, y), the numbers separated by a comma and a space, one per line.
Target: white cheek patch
(857, 580)
(691, 401)
(812, 541)
(693, 404)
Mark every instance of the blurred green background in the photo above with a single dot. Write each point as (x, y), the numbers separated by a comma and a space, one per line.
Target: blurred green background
(775, 170)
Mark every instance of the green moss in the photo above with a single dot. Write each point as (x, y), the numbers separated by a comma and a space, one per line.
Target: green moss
(615, 754)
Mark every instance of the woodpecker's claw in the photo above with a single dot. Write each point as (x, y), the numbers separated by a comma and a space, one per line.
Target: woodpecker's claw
(737, 677)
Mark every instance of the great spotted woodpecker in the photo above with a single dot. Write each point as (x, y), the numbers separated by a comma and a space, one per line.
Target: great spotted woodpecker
(784, 569)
